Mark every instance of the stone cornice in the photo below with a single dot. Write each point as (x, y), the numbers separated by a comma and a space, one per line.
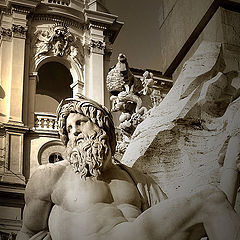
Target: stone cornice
(99, 26)
(21, 9)
(105, 21)
(61, 11)
(99, 17)
(27, 4)
(15, 128)
(56, 18)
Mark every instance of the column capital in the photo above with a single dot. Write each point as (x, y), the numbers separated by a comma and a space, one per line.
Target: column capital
(19, 31)
(97, 46)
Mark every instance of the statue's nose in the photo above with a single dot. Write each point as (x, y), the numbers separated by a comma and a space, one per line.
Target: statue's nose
(76, 130)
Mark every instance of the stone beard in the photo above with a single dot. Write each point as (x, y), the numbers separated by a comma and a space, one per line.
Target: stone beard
(87, 153)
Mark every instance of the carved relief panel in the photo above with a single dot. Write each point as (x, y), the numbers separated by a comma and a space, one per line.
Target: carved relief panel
(57, 40)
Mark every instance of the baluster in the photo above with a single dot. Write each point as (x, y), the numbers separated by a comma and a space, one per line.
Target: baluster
(51, 123)
(39, 122)
(45, 123)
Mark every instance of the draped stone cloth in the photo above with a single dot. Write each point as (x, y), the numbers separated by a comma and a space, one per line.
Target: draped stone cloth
(150, 193)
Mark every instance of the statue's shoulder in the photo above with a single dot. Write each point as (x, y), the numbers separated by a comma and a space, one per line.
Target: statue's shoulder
(149, 190)
(43, 180)
(136, 175)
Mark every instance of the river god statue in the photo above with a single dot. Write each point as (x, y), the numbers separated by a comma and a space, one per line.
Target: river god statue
(88, 196)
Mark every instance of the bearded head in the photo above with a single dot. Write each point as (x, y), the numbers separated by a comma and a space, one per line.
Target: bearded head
(89, 147)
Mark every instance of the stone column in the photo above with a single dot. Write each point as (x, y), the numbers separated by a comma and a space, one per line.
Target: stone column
(96, 64)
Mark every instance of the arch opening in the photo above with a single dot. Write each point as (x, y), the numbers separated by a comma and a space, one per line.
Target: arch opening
(53, 86)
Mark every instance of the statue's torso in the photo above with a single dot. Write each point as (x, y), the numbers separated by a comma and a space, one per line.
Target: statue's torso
(85, 209)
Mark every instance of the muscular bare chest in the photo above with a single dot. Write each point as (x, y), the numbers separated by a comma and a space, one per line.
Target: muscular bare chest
(77, 195)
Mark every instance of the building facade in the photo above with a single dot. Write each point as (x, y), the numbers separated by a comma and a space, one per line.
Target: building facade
(49, 50)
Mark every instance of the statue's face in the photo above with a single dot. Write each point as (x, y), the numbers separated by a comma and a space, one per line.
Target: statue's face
(88, 146)
(78, 125)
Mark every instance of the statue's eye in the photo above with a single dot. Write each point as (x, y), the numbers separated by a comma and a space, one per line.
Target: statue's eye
(78, 123)
(69, 128)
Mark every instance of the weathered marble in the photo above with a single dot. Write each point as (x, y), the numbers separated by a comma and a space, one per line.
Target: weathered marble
(183, 142)
(90, 196)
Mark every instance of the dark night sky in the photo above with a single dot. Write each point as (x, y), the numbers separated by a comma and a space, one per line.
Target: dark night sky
(138, 38)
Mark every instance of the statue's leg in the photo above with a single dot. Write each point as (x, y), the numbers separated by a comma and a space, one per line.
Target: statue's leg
(177, 219)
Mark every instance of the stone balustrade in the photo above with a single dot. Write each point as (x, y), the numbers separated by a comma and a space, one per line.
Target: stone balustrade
(45, 121)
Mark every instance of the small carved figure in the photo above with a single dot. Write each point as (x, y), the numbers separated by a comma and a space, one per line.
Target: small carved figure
(90, 196)
(148, 83)
(58, 40)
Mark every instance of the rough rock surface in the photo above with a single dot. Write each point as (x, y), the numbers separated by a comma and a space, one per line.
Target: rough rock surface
(183, 143)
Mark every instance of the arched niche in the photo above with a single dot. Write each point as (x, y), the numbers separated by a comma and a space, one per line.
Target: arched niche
(53, 86)
(73, 65)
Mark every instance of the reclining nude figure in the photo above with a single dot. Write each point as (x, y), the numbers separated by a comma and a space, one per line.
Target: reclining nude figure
(88, 196)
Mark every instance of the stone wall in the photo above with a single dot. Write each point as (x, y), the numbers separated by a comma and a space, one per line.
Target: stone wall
(191, 22)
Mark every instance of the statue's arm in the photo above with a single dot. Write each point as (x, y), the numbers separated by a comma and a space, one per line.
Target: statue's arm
(35, 218)
(38, 202)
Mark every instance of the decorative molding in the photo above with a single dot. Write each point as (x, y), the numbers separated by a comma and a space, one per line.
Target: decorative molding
(97, 46)
(102, 27)
(7, 12)
(58, 19)
(58, 41)
(20, 9)
(60, 2)
(6, 34)
(19, 31)
(79, 83)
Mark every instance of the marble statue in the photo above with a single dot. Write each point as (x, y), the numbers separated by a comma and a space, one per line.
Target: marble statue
(89, 196)
(126, 91)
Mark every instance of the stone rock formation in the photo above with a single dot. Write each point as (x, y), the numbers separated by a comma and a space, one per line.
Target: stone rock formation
(192, 138)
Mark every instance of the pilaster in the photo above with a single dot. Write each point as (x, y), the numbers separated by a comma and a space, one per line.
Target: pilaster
(19, 30)
(5, 63)
(102, 31)
(96, 81)
(33, 79)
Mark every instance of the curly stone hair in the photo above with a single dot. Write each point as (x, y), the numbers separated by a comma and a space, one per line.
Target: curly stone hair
(97, 113)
